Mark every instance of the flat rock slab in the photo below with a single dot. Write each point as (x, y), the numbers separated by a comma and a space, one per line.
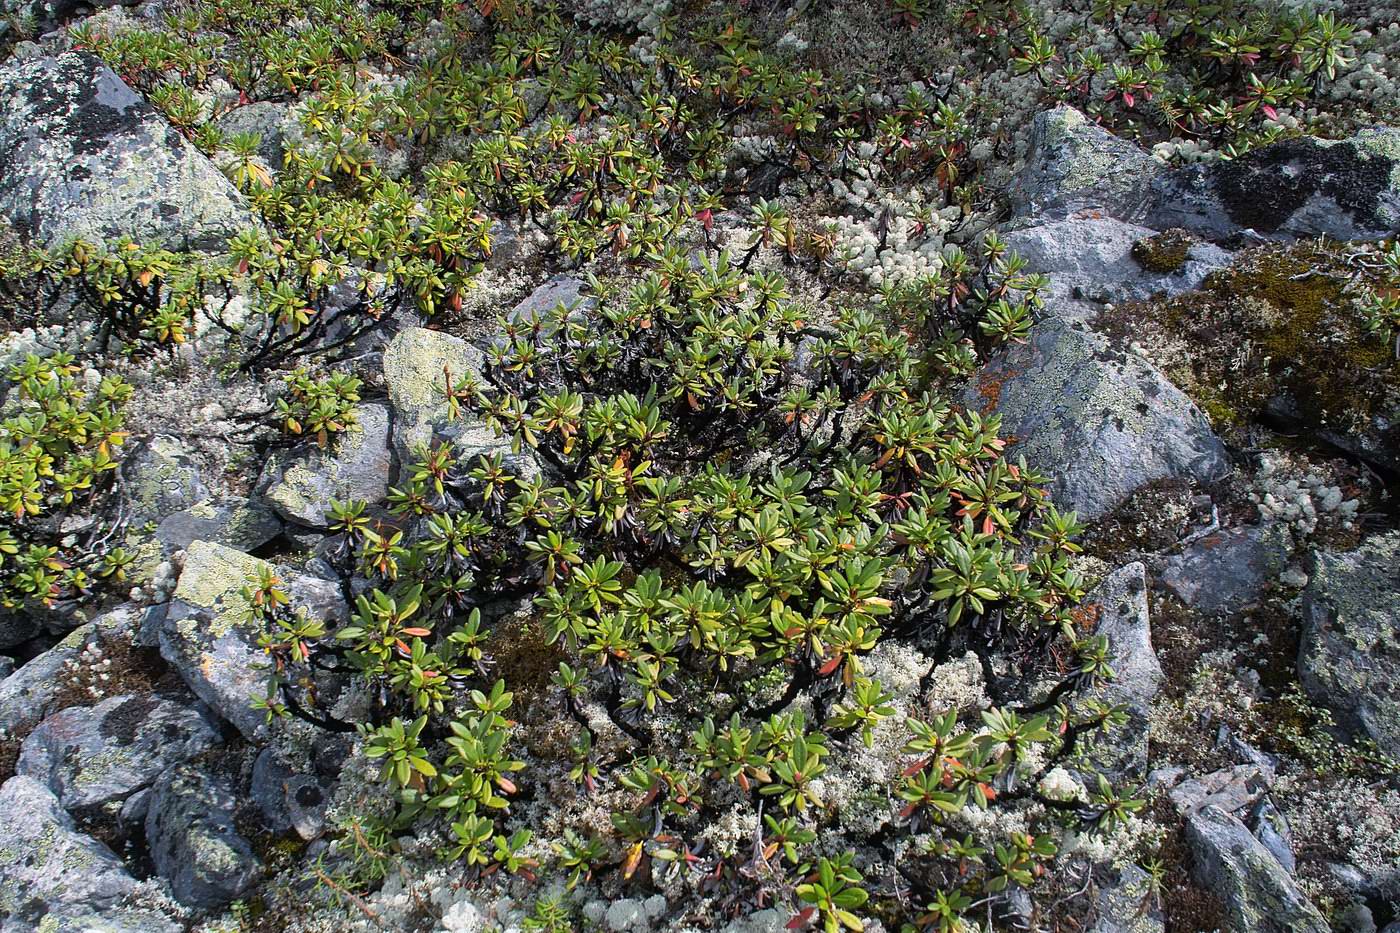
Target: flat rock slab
(83, 155)
(1102, 422)
(1349, 659)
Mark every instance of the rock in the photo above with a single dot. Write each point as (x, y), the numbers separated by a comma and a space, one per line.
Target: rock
(288, 801)
(82, 155)
(1100, 421)
(1305, 187)
(208, 637)
(1271, 829)
(33, 691)
(301, 485)
(1125, 904)
(46, 865)
(556, 290)
(160, 478)
(1229, 570)
(89, 756)
(416, 364)
(1349, 658)
(190, 829)
(1229, 790)
(1259, 895)
(239, 523)
(1074, 164)
(1093, 257)
(16, 628)
(7, 666)
(1122, 616)
(263, 117)
(46, 14)
(114, 920)
(1247, 754)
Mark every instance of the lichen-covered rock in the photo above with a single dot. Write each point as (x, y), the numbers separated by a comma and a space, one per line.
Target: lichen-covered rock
(1228, 570)
(264, 117)
(301, 485)
(1093, 257)
(417, 363)
(46, 865)
(89, 756)
(1099, 421)
(239, 523)
(556, 290)
(1119, 606)
(1125, 904)
(161, 478)
(1258, 893)
(1074, 164)
(33, 690)
(113, 920)
(194, 843)
(1305, 187)
(82, 155)
(208, 636)
(1349, 659)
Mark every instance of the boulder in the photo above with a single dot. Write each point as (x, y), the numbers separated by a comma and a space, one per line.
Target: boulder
(556, 290)
(1349, 658)
(92, 755)
(1229, 570)
(83, 155)
(1074, 164)
(300, 485)
(46, 865)
(193, 841)
(34, 690)
(1119, 604)
(1093, 257)
(416, 365)
(1102, 422)
(1259, 895)
(208, 637)
(113, 920)
(239, 523)
(1297, 188)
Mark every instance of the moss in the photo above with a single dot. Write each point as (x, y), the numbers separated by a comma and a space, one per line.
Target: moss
(1165, 253)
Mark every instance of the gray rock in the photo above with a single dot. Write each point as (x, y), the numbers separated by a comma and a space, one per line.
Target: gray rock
(1121, 601)
(556, 290)
(1102, 422)
(32, 692)
(7, 666)
(265, 118)
(47, 14)
(160, 478)
(1259, 895)
(416, 365)
(208, 637)
(1270, 827)
(46, 865)
(82, 155)
(1304, 187)
(1092, 256)
(1229, 790)
(240, 523)
(289, 801)
(1228, 570)
(300, 485)
(190, 829)
(16, 628)
(1074, 164)
(1349, 658)
(1125, 905)
(112, 920)
(91, 755)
